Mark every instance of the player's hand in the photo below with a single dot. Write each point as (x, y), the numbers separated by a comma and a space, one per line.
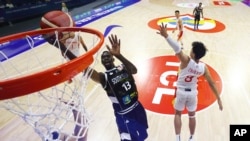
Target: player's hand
(163, 30)
(220, 104)
(115, 45)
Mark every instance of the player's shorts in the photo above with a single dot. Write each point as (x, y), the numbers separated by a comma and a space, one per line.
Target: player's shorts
(197, 17)
(186, 98)
(133, 125)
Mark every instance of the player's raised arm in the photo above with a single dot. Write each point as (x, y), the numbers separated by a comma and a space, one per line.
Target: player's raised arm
(174, 45)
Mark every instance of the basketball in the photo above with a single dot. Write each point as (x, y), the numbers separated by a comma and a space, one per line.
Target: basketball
(57, 18)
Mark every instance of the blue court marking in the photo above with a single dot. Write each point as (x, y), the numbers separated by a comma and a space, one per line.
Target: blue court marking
(13, 48)
(108, 29)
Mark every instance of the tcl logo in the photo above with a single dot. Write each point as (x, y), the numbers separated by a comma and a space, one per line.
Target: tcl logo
(156, 83)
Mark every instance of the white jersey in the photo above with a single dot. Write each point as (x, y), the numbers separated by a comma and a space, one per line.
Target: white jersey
(73, 44)
(65, 9)
(188, 77)
(178, 24)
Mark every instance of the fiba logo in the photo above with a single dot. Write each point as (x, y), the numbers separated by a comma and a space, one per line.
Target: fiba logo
(206, 25)
(156, 83)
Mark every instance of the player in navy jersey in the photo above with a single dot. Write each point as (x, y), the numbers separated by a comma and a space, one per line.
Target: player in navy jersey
(191, 68)
(198, 12)
(118, 82)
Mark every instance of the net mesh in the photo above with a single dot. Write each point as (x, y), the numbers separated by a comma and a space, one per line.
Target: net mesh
(57, 112)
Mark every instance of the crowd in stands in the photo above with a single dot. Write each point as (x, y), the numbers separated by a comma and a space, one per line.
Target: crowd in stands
(19, 3)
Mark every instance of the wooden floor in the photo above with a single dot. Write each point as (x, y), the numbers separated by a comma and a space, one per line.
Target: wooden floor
(229, 55)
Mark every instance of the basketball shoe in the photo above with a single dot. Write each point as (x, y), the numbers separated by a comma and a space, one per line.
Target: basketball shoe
(191, 138)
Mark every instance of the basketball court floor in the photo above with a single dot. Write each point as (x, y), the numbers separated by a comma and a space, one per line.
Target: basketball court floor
(225, 31)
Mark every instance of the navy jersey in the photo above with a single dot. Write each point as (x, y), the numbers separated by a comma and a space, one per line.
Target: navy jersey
(121, 89)
(198, 10)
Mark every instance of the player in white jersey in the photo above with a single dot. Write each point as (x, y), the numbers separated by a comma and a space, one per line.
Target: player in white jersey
(179, 27)
(73, 42)
(64, 8)
(188, 76)
(186, 93)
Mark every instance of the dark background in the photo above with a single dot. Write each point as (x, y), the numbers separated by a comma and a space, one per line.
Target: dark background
(26, 14)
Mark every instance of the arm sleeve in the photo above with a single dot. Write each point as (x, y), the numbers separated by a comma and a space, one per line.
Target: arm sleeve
(176, 47)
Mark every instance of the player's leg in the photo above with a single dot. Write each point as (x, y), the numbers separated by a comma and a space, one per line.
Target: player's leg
(192, 124)
(122, 127)
(79, 130)
(198, 22)
(195, 22)
(177, 124)
(79, 118)
(142, 122)
(138, 123)
(179, 105)
(179, 38)
(191, 107)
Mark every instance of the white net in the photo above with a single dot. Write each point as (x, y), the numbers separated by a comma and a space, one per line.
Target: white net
(57, 112)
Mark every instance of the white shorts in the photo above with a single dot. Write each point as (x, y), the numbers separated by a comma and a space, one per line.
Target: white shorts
(186, 98)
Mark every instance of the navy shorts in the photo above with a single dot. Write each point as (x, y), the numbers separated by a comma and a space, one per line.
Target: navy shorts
(197, 17)
(133, 123)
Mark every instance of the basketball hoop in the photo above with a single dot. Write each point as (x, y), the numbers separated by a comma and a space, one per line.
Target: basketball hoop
(37, 89)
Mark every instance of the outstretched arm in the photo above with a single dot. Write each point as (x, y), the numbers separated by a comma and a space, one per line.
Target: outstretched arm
(60, 45)
(83, 44)
(115, 50)
(213, 87)
(174, 45)
(97, 76)
(194, 10)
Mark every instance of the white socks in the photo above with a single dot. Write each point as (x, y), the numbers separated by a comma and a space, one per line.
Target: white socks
(178, 137)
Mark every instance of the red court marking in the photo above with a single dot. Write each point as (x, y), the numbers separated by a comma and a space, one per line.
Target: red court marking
(208, 25)
(156, 78)
(221, 3)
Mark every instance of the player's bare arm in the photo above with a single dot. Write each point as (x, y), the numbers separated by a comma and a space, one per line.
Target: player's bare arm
(98, 77)
(83, 44)
(202, 12)
(213, 87)
(115, 50)
(175, 46)
(194, 10)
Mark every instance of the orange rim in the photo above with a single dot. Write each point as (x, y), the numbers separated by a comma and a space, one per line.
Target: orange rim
(21, 86)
